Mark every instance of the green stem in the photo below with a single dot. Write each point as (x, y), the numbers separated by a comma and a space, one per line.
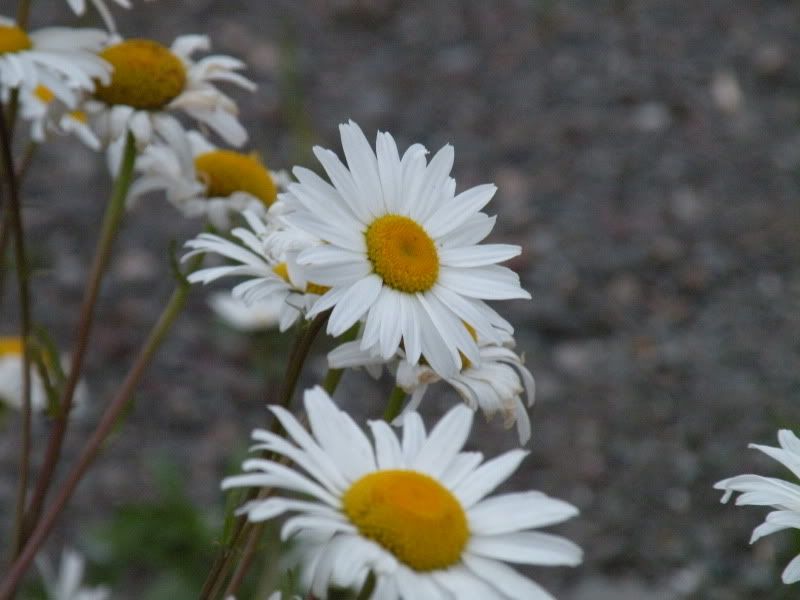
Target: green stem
(369, 587)
(14, 221)
(395, 404)
(111, 223)
(23, 13)
(119, 404)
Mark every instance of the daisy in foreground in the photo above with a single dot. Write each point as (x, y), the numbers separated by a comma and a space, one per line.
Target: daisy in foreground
(413, 512)
(402, 250)
(783, 496)
(151, 81)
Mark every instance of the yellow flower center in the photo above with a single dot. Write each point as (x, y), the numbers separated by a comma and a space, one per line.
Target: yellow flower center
(282, 271)
(410, 514)
(13, 39)
(79, 116)
(146, 75)
(10, 346)
(44, 93)
(402, 253)
(225, 172)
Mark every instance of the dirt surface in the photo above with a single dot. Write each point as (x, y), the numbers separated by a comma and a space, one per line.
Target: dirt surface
(648, 160)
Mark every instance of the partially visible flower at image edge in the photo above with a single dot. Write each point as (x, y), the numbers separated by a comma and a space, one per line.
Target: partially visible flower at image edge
(782, 495)
(414, 511)
(67, 584)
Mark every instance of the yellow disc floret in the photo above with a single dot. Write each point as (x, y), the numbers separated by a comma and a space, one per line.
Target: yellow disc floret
(44, 93)
(411, 515)
(402, 253)
(226, 172)
(10, 346)
(146, 75)
(282, 271)
(13, 39)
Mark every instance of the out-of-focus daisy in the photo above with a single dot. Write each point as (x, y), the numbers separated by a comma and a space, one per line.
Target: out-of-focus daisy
(782, 495)
(401, 250)
(79, 8)
(67, 584)
(61, 58)
(11, 370)
(413, 511)
(48, 114)
(240, 315)
(203, 180)
(151, 81)
(495, 384)
(270, 277)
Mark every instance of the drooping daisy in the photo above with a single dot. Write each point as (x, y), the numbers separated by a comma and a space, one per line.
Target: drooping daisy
(62, 59)
(782, 495)
(203, 180)
(271, 277)
(495, 384)
(79, 8)
(151, 81)
(413, 511)
(402, 249)
(68, 583)
(48, 114)
(11, 370)
(237, 313)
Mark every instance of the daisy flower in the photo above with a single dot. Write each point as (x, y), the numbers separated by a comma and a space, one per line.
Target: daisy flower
(48, 114)
(61, 58)
(401, 249)
(271, 277)
(79, 8)
(150, 82)
(782, 495)
(202, 180)
(68, 583)
(413, 511)
(11, 370)
(495, 384)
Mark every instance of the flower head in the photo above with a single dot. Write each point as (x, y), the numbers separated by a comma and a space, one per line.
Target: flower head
(782, 495)
(61, 59)
(47, 114)
(414, 511)
(203, 180)
(150, 82)
(68, 583)
(401, 250)
(79, 8)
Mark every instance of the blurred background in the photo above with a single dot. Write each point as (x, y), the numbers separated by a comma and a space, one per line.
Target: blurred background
(647, 155)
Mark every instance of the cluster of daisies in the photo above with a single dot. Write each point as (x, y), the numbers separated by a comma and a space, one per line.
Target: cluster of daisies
(386, 251)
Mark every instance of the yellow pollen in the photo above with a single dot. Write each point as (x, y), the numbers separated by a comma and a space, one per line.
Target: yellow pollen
(411, 515)
(146, 75)
(13, 39)
(402, 253)
(44, 93)
(79, 116)
(225, 172)
(282, 271)
(10, 346)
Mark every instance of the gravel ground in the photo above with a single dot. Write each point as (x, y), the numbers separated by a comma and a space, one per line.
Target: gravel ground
(647, 155)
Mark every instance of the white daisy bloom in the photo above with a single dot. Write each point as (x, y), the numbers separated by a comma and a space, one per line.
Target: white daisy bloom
(413, 511)
(48, 114)
(79, 8)
(11, 370)
(402, 250)
(151, 81)
(202, 180)
(495, 384)
(271, 277)
(61, 58)
(259, 316)
(68, 583)
(782, 495)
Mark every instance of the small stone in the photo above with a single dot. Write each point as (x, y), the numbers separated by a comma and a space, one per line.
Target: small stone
(651, 117)
(726, 92)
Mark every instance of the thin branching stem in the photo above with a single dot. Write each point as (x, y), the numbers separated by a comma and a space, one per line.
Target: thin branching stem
(111, 223)
(118, 406)
(14, 219)
(395, 404)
